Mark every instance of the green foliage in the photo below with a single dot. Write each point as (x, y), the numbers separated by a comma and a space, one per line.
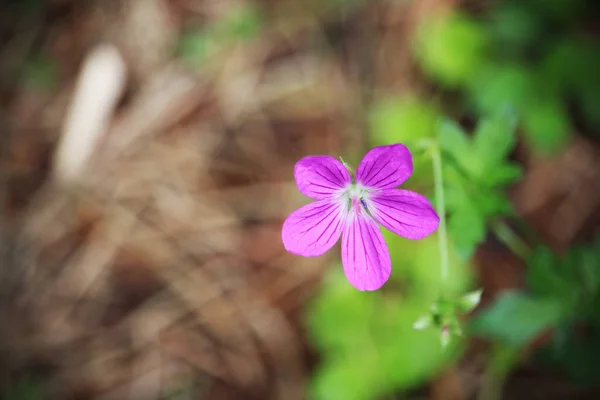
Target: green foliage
(367, 340)
(402, 120)
(343, 380)
(516, 318)
(573, 279)
(514, 69)
(451, 48)
(476, 171)
(443, 316)
(501, 85)
(509, 58)
(546, 123)
(416, 265)
(565, 293)
(243, 22)
(575, 353)
(515, 25)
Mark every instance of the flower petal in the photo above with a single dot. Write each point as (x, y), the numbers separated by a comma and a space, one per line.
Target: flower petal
(385, 167)
(403, 212)
(313, 229)
(365, 256)
(321, 177)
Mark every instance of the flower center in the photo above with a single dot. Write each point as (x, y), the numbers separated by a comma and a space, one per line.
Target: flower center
(356, 196)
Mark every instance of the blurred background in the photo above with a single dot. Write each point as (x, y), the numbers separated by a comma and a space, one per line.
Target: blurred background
(146, 166)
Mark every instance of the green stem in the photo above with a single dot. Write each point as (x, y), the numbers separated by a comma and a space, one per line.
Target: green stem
(436, 159)
(510, 239)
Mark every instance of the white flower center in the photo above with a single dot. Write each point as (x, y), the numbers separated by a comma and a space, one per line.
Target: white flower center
(356, 195)
(355, 191)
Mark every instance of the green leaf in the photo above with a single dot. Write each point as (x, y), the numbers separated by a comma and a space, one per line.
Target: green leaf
(451, 48)
(484, 158)
(559, 10)
(573, 278)
(402, 120)
(409, 357)
(471, 182)
(416, 268)
(586, 82)
(562, 64)
(544, 276)
(454, 141)
(504, 175)
(357, 377)
(491, 203)
(546, 124)
(590, 105)
(515, 24)
(338, 317)
(574, 353)
(467, 229)
(516, 318)
(589, 268)
(499, 86)
(456, 197)
(494, 139)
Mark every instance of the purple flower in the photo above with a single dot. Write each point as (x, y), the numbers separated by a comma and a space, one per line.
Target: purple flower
(353, 210)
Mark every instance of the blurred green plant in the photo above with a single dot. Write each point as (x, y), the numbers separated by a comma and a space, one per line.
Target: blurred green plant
(451, 48)
(243, 22)
(443, 317)
(511, 76)
(368, 343)
(516, 318)
(529, 55)
(475, 173)
(564, 294)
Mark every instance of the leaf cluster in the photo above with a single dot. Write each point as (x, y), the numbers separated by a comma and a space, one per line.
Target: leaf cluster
(524, 54)
(476, 172)
(564, 295)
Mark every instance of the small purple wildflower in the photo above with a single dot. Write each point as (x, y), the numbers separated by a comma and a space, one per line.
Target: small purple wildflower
(353, 210)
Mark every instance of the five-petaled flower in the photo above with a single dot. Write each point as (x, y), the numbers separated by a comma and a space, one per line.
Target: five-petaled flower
(352, 210)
